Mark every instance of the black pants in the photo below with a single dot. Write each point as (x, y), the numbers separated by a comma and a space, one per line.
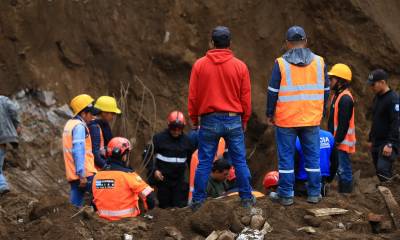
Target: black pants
(172, 193)
(383, 165)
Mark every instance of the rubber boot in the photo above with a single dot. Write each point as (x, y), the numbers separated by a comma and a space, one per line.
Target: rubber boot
(345, 187)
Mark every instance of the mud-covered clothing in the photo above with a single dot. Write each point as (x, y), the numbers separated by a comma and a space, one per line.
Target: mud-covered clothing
(9, 120)
(171, 157)
(216, 188)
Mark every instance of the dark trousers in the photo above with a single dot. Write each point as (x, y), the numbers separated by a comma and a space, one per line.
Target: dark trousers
(172, 193)
(383, 165)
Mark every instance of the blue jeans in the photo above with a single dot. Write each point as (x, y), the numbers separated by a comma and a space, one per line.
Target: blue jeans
(77, 193)
(3, 181)
(212, 128)
(345, 172)
(286, 145)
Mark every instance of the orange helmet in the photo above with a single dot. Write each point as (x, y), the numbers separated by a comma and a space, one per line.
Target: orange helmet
(118, 146)
(271, 179)
(176, 119)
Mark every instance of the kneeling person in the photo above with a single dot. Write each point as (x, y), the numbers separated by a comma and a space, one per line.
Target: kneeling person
(116, 191)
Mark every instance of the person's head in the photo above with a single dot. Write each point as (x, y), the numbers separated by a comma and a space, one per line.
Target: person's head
(176, 123)
(296, 37)
(108, 107)
(221, 37)
(220, 170)
(271, 180)
(118, 150)
(378, 81)
(340, 76)
(82, 105)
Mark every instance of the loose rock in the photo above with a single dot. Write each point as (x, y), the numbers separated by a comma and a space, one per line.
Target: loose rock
(227, 235)
(312, 221)
(257, 221)
(307, 229)
(245, 220)
(174, 233)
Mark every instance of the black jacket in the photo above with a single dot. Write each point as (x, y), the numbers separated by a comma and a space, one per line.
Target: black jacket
(345, 113)
(171, 155)
(385, 120)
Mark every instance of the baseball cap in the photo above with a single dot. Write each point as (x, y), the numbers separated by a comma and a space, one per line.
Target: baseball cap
(377, 75)
(295, 33)
(221, 35)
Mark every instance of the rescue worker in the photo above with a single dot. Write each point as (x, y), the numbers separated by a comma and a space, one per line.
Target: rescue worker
(9, 130)
(100, 130)
(328, 163)
(172, 154)
(117, 190)
(297, 91)
(220, 95)
(384, 133)
(342, 125)
(77, 144)
(218, 185)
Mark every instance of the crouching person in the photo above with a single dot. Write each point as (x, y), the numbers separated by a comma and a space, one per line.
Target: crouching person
(218, 182)
(117, 190)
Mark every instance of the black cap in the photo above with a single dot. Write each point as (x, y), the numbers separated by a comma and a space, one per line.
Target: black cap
(295, 33)
(377, 75)
(90, 108)
(221, 35)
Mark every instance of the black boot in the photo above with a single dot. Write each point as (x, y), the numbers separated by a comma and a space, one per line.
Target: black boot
(345, 187)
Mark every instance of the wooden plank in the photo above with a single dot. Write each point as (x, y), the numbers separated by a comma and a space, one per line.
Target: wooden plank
(391, 204)
(321, 212)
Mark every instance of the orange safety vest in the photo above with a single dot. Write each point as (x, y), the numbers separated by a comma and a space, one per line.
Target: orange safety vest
(70, 169)
(301, 94)
(116, 194)
(349, 143)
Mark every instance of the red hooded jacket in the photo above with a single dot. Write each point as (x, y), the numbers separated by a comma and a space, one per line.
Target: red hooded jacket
(219, 82)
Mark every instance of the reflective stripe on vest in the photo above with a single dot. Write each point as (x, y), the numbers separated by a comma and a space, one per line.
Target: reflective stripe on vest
(70, 169)
(111, 213)
(349, 143)
(301, 94)
(170, 159)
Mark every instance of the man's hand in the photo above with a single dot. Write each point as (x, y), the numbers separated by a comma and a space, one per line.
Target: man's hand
(387, 151)
(82, 182)
(158, 175)
(270, 121)
(244, 127)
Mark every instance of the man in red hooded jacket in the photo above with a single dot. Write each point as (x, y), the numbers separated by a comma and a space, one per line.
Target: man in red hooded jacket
(220, 94)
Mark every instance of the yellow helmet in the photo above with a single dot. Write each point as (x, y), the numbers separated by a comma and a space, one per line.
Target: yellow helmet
(80, 102)
(341, 70)
(107, 104)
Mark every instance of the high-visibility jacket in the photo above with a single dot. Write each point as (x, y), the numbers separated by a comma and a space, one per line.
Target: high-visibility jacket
(70, 169)
(301, 94)
(349, 143)
(116, 194)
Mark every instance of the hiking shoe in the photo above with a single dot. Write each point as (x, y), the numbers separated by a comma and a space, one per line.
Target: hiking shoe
(5, 191)
(285, 201)
(195, 206)
(314, 199)
(248, 203)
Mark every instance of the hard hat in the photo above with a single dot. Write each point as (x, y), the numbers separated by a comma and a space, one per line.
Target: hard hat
(80, 102)
(107, 104)
(271, 179)
(341, 70)
(117, 147)
(176, 119)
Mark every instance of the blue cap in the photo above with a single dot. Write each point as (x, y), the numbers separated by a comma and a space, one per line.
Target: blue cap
(221, 35)
(295, 33)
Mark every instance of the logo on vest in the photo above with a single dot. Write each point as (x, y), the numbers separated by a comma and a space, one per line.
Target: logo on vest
(396, 107)
(324, 142)
(105, 183)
